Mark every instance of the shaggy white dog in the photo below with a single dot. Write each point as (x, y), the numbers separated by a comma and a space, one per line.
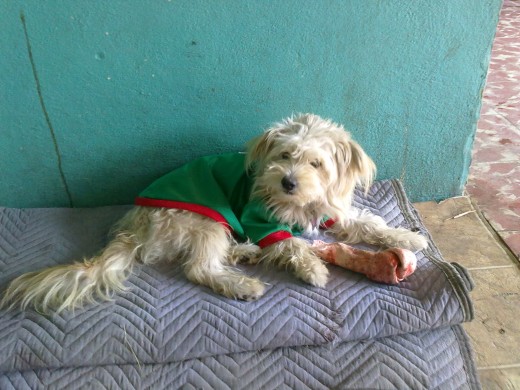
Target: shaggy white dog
(296, 176)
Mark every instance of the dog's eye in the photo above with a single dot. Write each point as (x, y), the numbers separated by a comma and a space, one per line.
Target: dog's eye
(316, 163)
(285, 155)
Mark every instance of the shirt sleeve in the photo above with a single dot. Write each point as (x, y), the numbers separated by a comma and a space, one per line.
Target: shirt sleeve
(260, 227)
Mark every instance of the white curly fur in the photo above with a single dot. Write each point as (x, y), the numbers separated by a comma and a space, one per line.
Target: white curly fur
(317, 155)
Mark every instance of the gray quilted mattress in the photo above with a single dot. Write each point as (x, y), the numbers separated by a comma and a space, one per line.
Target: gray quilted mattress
(166, 332)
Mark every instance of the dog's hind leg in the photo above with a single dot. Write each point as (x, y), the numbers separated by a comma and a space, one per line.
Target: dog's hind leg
(207, 247)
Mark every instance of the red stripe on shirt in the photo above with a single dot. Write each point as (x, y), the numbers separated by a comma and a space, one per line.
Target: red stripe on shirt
(327, 224)
(172, 204)
(274, 238)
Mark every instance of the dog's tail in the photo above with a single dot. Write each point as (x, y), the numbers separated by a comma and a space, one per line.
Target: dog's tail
(70, 286)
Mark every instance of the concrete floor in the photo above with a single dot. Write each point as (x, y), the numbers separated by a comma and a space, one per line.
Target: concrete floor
(464, 236)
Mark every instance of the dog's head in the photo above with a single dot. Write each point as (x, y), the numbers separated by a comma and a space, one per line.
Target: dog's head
(306, 167)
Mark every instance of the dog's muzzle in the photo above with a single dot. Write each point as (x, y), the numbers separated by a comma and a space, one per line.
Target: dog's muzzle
(289, 184)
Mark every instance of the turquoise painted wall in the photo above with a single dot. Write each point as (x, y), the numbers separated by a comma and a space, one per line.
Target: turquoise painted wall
(134, 88)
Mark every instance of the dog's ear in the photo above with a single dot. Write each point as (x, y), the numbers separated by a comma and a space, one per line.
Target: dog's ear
(258, 148)
(354, 166)
(362, 165)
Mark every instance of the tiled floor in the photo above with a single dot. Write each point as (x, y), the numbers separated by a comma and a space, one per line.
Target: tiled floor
(482, 231)
(494, 182)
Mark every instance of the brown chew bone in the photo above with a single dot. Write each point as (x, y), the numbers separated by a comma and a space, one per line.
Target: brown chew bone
(389, 266)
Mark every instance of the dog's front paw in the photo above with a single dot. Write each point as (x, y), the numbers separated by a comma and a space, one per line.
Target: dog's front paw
(243, 288)
(411, 241)
(313, 271)
(249, 290)
(296, 254)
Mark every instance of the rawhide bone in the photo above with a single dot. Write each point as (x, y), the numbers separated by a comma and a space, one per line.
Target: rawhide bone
(390, 266)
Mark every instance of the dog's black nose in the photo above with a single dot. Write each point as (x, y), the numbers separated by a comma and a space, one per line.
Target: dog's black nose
(288, 183)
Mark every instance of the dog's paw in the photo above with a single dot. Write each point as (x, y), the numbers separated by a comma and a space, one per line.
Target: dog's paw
(249, 290)
(245, 289)
(244, 254)
(313, 271)
(411, 240)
